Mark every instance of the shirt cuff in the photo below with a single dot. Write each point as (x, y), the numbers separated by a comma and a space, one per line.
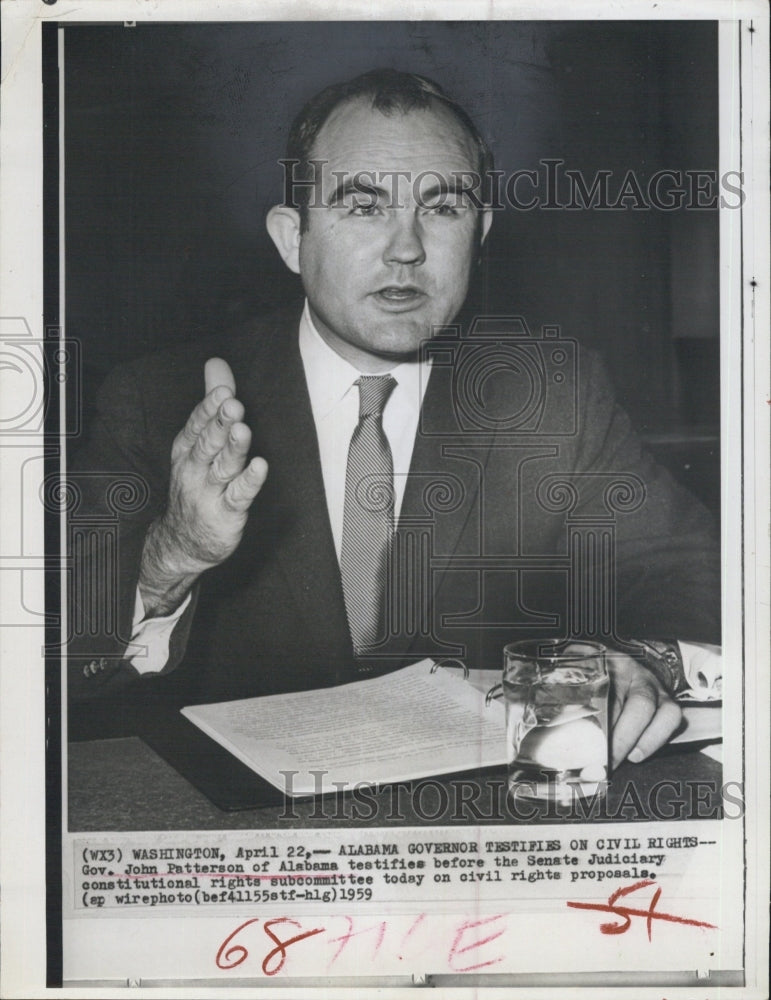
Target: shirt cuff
(703, 668)
(690, 670)
(148, 651)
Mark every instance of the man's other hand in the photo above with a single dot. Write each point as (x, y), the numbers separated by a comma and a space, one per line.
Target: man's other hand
(210, 491)
(644, 716)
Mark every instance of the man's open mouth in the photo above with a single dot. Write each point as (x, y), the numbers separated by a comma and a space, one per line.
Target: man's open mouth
(398, 294)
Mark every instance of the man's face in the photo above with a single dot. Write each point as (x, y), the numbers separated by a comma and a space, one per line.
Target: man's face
(383, 267)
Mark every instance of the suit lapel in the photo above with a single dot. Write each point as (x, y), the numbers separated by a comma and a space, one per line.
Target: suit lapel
(440, 475)
(293, 501)
(436, 460)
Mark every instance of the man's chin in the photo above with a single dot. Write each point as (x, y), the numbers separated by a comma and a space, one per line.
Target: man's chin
(404, 348)
(402, 336)
(401, 355)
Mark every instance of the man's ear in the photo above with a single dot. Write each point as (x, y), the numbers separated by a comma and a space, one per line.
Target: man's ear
(283, 226)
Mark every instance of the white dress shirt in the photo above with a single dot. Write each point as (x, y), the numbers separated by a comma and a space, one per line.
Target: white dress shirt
(335, 406)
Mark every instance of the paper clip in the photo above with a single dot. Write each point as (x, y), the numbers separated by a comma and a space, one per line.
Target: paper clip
(451, 663)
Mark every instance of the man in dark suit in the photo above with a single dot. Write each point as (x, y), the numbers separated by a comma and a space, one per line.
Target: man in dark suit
(260, 557)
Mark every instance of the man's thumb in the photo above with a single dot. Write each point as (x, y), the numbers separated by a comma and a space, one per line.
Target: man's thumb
(217, 372)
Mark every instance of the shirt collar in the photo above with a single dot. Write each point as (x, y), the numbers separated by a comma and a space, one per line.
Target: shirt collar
(330, 377)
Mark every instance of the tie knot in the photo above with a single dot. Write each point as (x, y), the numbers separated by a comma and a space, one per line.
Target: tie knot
(374, 391)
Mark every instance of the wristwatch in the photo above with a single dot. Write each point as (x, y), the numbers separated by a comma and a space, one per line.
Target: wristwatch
(664, 659)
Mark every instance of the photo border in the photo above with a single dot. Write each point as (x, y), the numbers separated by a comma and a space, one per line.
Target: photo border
(22, 854)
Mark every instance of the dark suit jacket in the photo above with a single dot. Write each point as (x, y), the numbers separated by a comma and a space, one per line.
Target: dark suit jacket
(531, 509)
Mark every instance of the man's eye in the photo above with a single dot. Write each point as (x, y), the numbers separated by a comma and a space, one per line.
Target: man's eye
(441, 209)
(367, 207)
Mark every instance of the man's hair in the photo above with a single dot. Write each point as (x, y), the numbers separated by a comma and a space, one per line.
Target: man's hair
(388, 90)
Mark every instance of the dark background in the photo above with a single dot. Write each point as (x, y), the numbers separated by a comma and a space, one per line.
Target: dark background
(173, 132)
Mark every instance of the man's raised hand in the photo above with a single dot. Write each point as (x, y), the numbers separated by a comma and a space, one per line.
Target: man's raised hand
(210, 491)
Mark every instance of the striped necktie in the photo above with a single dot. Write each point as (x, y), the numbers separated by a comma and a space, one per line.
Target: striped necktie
(367, 515)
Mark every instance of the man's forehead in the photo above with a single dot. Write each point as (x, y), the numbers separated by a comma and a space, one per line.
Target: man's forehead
(357, 137)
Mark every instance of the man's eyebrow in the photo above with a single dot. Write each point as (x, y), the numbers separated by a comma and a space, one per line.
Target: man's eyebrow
(366, 185)
(362, 184)
(442, 186)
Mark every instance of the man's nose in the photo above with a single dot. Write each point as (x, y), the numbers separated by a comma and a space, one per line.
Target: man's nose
(405, 243)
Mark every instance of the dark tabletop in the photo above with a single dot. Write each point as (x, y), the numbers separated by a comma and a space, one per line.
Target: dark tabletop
(122, 784)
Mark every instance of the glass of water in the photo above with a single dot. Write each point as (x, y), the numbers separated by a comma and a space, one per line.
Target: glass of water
(556, 699)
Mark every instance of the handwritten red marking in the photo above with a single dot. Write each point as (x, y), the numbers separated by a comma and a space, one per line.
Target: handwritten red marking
(469, 925)
(626, 912)
(410, 931)
(229, 958)
(237, 950)
(350, 934)
(281, 946)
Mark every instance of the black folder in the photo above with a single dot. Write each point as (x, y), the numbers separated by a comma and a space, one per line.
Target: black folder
(223, 779)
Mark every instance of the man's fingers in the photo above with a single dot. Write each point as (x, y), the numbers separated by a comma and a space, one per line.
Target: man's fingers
(214, 436)
(646, 719)
(666, 720)
(639, 707)
(203, 413)
(229, 461)
(220, 385)
(217, 372)
(644, 716)
(245, 487)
